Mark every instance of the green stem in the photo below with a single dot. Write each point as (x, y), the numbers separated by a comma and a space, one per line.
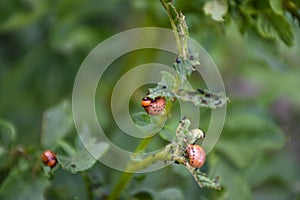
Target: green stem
(122, 183)
(180, 32)
(179, 27)
(202, 180)
(126, 177)
(88, 185)
(163, 155)
(133, 166)
(168, 7)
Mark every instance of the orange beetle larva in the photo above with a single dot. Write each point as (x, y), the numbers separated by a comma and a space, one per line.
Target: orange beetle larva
(49, 158)
(196, 155)
(154, 106)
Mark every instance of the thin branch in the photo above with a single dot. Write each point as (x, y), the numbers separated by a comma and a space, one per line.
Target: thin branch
(180, 29)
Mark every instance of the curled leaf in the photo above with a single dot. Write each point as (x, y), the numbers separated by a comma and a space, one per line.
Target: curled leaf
(7, 133)
(165, 87)
(216, 8)
(202, 98)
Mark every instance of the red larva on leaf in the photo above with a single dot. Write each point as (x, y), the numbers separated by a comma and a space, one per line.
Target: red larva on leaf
(49, 158)
(154, 106)
(196, 155)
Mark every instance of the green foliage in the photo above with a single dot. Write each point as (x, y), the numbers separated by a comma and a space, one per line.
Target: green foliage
(141, 118)
(57, 123)
(165, 87)
(80, 159)
(268, 19)
(22, 185)
(44, 42)
(171, 87)
(203, 98)
(265, 136)
(277, 6)
(185, 67)
(168, 194)
(8, 135)
(19, 171)
(167, 133)
(177, 148)
(271, 25)
(248, 136)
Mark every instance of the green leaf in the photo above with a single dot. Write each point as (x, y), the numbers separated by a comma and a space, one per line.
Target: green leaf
(66, 185)
(293, 9)
(180, 170)
(244, 19)
(276, 5)
(216, 8)
(66, 147)
(165, 87)
(67, 38)
(170, 194)
(167, 133)
(17, 20)
(57, 123)
(7, 135)
(264, 49)
(82, 160)
(23, 185)
(233, 182)
(260, 176)
(246, 135)
(270, 165)
(82, 157)
(141, 118)
(166, 194)
(272, 25)
(2, 151)
(202, 98)
(142, 194)
(21, 19)
(185, 67)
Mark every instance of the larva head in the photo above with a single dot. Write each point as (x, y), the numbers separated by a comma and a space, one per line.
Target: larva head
(146, 101)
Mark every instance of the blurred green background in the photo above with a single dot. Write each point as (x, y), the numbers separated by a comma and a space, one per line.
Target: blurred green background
(43, 43)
